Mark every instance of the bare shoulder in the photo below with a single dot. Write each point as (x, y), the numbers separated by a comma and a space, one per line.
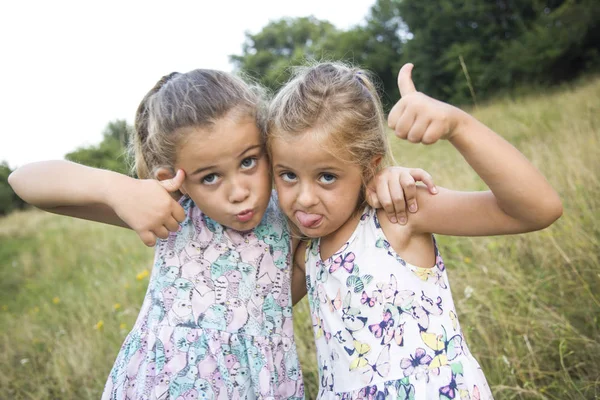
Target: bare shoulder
(397, 235)
(412, 245)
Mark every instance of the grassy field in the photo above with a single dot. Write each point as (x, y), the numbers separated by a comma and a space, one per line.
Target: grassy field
(530, 305)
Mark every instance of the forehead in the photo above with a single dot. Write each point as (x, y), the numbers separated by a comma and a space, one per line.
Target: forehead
(226, 139)
(308, 150)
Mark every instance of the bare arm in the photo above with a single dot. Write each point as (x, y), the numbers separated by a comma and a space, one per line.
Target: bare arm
(520, 199)
(75, 190)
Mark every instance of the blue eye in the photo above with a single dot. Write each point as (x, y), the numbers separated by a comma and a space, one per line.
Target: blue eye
(327, 179)
(289, 177)
(249, 162)
(210, 179)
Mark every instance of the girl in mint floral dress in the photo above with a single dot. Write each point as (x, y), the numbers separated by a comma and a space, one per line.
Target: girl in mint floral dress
(384, 320)
(216, 322)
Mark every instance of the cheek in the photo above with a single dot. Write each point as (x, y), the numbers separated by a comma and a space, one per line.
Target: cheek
(285, 195)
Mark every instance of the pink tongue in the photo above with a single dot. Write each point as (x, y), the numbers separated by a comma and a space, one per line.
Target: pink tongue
(307, 220)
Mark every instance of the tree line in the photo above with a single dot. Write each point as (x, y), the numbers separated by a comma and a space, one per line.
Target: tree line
(464, 51)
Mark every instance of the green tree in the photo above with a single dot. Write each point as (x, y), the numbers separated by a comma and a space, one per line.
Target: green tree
(375, 45)
(111, 153)
(268, 55)
(503, 43)
(9, 201)
(562, 42)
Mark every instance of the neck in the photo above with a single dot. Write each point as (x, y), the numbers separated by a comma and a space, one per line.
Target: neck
(334, 241)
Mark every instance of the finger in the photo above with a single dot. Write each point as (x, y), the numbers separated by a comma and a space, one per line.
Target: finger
(178, 213)
(385, 199)
(161, 232)
(371, 198)
(405, 82)
(404, 124)
(432, 134)
(398, 199)
(148, 238)
(172, 225)
(173, 184)
(395, 113)
(409, 187)
(374, 201)
(421, 175)
(417, 130)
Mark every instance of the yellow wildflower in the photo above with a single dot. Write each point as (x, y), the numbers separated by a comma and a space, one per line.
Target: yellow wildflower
(99, 325)
(123, 326)
(142, 275)
(116, 306)
(56, 300)
(467, 260)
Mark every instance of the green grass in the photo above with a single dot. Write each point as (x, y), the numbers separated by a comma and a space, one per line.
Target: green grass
(529, 304)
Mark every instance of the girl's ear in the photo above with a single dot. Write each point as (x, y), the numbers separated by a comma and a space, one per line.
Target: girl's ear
(375, 161)
(164, 173)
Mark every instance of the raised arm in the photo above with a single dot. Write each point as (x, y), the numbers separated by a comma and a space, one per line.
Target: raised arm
(520, 199)
(75, 190)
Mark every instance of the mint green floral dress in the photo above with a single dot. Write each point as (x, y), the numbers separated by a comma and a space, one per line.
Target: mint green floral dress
(386, 329)
(216, 322)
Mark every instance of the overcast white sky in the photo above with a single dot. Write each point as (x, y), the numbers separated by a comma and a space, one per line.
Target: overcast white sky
(67, 68)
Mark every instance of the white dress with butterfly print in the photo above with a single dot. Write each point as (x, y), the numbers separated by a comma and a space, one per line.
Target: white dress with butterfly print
(386, 329)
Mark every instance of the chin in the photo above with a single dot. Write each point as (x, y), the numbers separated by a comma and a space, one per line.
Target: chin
(313, 233)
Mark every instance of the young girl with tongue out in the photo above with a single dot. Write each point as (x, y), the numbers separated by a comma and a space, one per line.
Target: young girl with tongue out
(383, 316)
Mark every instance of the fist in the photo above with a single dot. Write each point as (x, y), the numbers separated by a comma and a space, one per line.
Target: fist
(419, 118)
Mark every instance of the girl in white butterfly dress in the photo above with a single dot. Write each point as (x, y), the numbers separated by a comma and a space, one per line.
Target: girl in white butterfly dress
(384, 321)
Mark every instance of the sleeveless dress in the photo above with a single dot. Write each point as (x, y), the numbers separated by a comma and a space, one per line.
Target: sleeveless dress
(216, 321)
(386, 329)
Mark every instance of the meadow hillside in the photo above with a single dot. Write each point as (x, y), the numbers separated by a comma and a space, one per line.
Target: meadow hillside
(529, 305)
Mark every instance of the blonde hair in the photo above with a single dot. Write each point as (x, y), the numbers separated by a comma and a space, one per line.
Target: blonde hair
(339, 104)
(198, 98)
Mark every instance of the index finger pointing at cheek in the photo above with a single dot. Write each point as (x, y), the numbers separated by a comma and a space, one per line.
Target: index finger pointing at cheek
(405, 82)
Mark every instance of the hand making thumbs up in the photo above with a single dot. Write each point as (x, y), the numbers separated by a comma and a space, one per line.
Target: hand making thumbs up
(419, 118)
(147, 207)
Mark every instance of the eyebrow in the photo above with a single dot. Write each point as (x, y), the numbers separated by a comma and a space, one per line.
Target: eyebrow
(319, 168)
(201, 169)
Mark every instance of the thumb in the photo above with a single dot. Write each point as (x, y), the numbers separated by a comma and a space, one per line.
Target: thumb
(173, 184)
(405, 82)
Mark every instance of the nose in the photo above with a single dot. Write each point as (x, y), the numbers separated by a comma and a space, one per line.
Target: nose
(307, 197)
(239, 190)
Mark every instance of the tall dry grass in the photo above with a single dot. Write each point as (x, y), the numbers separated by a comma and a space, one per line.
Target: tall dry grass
(529, 304)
